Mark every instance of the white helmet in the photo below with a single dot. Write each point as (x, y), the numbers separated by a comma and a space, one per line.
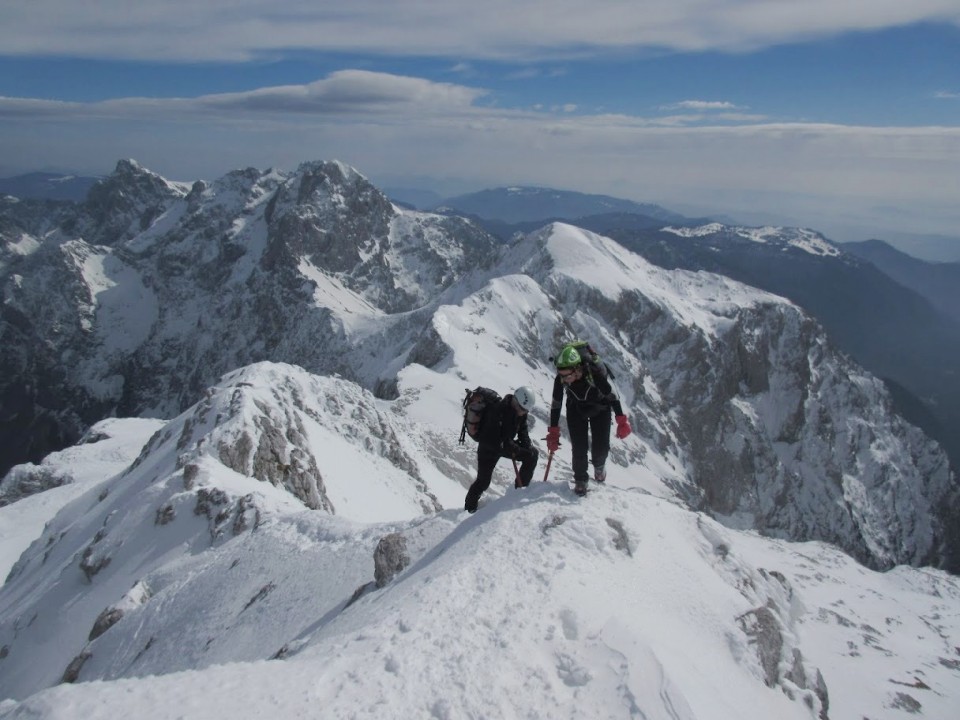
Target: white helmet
(525, 398)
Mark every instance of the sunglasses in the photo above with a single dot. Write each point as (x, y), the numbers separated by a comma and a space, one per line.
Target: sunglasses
(566, 373)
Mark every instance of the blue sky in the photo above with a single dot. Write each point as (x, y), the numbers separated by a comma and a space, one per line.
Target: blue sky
(842, 115)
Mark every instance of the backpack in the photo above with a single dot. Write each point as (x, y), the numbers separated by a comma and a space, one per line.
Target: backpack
(591, 359)
(475, 402)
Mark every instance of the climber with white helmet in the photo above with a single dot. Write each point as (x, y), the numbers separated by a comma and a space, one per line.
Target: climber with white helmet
(503, 433)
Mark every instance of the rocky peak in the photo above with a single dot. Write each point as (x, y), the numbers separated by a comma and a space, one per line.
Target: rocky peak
(329, 216)
(239, 269)
(324, 181)
(126, 202)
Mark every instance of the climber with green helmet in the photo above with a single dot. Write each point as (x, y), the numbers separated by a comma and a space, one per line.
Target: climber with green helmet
(591, 400)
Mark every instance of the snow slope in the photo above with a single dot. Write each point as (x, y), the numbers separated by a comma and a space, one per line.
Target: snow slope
(109, 447)
(543, 605)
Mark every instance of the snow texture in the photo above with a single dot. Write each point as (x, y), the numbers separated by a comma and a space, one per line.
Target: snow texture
(541, 605)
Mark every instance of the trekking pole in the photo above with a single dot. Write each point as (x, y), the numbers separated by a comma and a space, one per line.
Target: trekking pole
(547, 471)
(516, 471)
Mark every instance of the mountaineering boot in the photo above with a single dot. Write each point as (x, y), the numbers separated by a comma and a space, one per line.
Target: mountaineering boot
(471, 503)
(580, 487)
(600, 474)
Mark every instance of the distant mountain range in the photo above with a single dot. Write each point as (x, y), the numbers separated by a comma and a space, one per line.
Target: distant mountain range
(938, 282)
(933, 248)
(522, 204)
(48, 186)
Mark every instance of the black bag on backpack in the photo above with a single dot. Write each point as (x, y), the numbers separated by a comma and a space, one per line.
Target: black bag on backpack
(475, 403)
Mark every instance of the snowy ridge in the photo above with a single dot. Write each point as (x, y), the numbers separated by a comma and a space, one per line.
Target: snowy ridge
(541, 605)
(700, 300)
(41, 490)
(803, 239)
(247, 454)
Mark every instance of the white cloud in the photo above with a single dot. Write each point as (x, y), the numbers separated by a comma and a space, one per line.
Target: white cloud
(345, 92)
(352, 91)
(944, 95)
(394, 126)
(234, 30)
(701, 105)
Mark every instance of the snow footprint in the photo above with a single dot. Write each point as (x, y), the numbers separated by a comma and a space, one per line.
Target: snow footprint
(571, 672)
(568, 622)
(569, 669)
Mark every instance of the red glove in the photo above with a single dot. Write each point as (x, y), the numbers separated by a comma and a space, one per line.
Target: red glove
(623, 427)
(553, 438)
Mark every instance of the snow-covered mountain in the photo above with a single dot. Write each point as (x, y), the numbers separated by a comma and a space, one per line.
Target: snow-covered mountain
(197, 589)
(893, 330)
(144, 298)
(311, 343)
(773, 428)
(136, 301)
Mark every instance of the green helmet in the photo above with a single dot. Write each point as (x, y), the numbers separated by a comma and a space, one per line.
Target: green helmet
(568, 358)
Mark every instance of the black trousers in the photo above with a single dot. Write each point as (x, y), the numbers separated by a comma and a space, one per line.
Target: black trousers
(487, 458)
(591, 433)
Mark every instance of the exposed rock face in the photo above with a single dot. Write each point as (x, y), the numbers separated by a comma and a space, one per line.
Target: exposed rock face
(764, 630)
(107, 619)
(390, 558)
(770, 627)
(124, 204)
(72, 673)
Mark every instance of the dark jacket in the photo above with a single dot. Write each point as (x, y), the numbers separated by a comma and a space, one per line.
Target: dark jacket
(591, 394)
(502, 429)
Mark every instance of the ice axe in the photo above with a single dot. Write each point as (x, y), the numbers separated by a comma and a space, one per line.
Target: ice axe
(550, 456)
(549, 461)
(516, 471)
